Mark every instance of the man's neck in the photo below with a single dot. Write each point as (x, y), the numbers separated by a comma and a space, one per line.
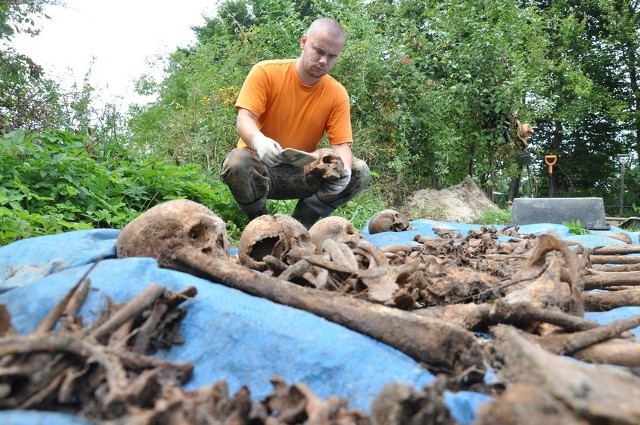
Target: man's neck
(303, 76)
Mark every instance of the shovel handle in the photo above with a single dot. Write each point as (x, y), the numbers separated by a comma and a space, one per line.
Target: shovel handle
(550, 160)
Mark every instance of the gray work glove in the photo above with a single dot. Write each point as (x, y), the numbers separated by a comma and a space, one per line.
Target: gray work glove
(267, 149)
(338, 186)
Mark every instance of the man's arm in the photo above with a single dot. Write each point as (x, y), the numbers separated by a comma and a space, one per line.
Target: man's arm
(267, 149)
(246, 126)
(344, 150)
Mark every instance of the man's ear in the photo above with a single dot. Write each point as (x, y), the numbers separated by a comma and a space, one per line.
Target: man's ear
(303, 41)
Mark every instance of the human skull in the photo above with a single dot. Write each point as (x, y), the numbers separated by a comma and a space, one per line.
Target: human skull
(182, 221)
(328, 166)
(388, 221)
(337, 228)
(278, 235)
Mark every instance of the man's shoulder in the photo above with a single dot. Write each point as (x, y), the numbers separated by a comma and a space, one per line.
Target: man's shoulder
(274, 63)
(335, 85)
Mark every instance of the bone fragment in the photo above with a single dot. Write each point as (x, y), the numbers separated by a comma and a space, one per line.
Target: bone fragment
(605, 301)
(614, 259)
(616, 351)
(604, 279)
(569, 343)
(598, 394)
(129, 310)
(616, 250)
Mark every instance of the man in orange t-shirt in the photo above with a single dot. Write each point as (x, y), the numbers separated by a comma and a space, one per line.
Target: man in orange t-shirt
(293, 104)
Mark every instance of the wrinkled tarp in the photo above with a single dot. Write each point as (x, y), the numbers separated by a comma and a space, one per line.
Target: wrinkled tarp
(229, 335)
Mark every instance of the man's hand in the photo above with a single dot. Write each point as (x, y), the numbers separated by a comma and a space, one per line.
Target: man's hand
(267, 149)
(338, 186)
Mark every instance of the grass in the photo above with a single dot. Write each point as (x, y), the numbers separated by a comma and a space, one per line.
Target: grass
(501, 216)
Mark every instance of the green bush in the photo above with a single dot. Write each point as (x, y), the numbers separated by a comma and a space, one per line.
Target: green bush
(51, 183)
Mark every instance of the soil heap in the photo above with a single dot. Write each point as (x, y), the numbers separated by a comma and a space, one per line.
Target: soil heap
(460, 203)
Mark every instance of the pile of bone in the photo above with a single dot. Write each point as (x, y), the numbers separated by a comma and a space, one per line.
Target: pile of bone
(105, 372)
(514, 307)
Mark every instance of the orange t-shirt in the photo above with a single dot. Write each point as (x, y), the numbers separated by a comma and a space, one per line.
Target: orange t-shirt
(291, 113)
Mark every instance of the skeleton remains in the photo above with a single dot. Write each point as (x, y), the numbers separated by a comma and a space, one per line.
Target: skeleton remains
(533, 284)
(435, 302)
(328, 166)
(335, 228)
(389, 221)
(277, 237)
(180, 222)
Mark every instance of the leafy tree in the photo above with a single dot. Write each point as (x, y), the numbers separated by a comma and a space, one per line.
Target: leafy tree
(452, 74)
(593, 96)
(27, 98)
(19, 16)
(24, 95)
(232, 18)
(623, 25)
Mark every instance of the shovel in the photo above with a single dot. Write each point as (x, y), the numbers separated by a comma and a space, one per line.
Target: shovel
(551, 160)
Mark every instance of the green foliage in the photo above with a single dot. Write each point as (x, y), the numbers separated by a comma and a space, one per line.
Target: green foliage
(18, 17)
(501, 216)
(51, 183)
(26, 98)
(449, 76)
(632, 190)
(592, 92)
(575, 227)
(432, 86)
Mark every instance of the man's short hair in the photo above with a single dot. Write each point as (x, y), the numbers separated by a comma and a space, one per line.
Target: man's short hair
(330, 25)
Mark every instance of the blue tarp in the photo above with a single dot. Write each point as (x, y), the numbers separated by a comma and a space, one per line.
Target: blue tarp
(229, 335)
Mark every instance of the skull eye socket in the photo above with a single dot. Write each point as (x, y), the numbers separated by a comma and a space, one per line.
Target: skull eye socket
(263, 248)
(275, 236)
(199, 232)
(327, 159)
(220, 241)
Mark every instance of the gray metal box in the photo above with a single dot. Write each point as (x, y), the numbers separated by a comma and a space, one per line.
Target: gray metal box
(589, 211)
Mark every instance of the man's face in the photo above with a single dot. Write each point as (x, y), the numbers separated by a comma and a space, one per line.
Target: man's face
(319, 53)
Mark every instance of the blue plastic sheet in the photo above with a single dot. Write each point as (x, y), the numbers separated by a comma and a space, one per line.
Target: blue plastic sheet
(229, 335)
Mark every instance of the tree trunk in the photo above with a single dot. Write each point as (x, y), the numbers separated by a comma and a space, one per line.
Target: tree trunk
(514, 188)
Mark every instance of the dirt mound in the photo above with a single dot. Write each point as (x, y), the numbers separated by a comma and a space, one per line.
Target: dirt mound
(460, 203)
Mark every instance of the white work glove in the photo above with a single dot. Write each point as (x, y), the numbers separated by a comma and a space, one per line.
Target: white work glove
(267, 149)
(338, 186)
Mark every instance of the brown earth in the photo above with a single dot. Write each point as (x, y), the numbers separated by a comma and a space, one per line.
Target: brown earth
(460, 203)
